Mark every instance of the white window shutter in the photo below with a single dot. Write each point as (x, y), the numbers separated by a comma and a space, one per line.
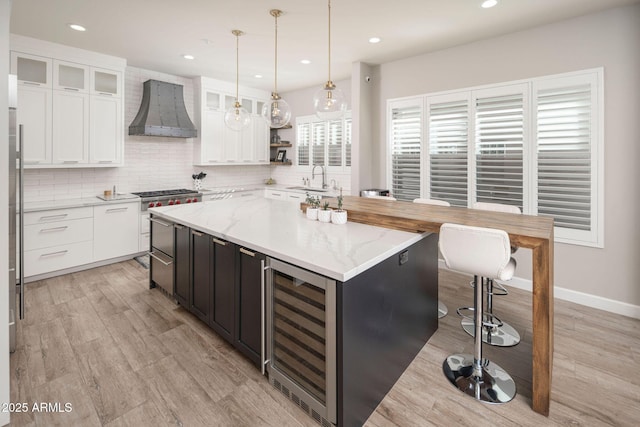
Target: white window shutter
(347, 142)
(335, 143)
(448, 121)
(566, 154)
(405, 129)
(500, 135)
(303, 140)
(318, 142)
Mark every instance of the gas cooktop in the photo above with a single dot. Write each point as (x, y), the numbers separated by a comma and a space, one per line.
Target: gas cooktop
(164, 193)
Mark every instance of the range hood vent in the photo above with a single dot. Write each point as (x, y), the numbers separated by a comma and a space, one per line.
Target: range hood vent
(162, 112)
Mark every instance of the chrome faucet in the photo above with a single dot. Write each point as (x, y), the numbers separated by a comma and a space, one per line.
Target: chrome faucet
(324, 175)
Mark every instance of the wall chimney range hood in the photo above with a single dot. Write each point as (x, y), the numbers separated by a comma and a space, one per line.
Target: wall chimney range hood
(162, 112)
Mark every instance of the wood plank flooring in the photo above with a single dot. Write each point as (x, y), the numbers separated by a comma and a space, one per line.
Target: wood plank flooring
(124, 355)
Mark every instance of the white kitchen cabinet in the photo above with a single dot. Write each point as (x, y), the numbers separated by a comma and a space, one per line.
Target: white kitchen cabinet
(216, 144)
(115, 230)
(106, 131)
(57, 239)
(71, 112)
(296, 196)
(35, 116)
(275, 194)
(70, 129)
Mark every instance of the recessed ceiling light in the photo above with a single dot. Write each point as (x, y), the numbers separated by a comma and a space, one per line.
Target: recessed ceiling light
(374, 40)
(305, 62)
(188, 57)
(258, 76)
(489, 3)
(77, 27)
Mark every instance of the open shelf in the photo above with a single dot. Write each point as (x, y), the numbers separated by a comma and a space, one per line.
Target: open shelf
(288, 126)
(287, 163)
(282, 144)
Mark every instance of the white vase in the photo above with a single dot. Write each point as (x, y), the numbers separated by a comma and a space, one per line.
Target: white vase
(324, 215)
(339, 217)
(312, 213)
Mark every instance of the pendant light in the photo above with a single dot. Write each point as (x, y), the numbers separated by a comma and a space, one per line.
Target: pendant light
(236, 117)
(276, 112)
(329, 101)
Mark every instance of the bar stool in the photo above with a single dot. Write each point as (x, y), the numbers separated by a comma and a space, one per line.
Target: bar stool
(442, 308)
(504, 335)
(483, 252)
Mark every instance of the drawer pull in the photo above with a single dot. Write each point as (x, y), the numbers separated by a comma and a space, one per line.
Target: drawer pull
(72, 88)
(105, 161)
(151, 254)
(178, 226)
(196, 233)
(70, 162)
(105, 94)
(157, 221)
(247, 252)
(219, 242)
(48, 230)
(50, 217)
(116, 210)
(54, 253)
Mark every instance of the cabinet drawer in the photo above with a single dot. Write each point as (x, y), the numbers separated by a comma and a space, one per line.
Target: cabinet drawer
(45, 260)
(39, 236)
(296, 196)
(42, 217)
(276, 194)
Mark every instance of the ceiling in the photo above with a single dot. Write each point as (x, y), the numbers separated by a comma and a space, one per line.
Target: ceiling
(154, 34)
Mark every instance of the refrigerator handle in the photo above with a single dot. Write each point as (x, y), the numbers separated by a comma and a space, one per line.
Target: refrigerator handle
(21, 219)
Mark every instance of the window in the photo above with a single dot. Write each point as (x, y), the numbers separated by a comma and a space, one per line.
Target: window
(323, 142)
(534, 144)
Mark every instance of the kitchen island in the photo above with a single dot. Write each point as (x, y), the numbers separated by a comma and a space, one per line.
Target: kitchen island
(380, 307)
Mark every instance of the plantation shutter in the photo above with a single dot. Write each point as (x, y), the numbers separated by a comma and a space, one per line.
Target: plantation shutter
(318, 140)
(499, 143)
(405, 138)
(335, 142)
(303, 140)
(564, 130)
(347, 142)
(448, 141)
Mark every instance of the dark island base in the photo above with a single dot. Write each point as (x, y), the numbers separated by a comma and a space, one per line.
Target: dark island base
(385, 316)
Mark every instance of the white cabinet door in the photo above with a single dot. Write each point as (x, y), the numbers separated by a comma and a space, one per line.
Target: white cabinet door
(211, 136)
(296, 196)
(106, 82)
(106, 135)
(70, 140)
(32, 70)
(34, 113)
(115, 230)
(275, 194)
(260, 140)
(70, 76)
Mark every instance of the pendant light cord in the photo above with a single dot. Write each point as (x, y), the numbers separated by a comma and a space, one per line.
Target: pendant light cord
(237, 64)
(275, 84)
(329, 74)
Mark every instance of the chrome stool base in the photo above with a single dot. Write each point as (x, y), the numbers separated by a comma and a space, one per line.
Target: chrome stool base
(503, 336)
(495, 385)
(442, 310)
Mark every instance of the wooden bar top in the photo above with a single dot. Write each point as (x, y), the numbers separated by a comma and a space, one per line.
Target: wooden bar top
(527, 231)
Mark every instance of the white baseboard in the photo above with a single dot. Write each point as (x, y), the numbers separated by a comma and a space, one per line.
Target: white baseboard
(577, 297)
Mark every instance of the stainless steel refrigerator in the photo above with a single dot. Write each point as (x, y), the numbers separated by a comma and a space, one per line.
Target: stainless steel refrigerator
(16, 276)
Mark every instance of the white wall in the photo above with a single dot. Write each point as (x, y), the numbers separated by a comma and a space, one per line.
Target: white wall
(609, 39)
(5, 14)
(151, 163)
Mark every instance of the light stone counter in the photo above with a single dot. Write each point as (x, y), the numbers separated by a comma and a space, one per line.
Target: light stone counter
(280, 230)
(77, 203)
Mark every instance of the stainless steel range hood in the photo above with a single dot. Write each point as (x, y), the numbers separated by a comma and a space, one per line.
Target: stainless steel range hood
(162, 112)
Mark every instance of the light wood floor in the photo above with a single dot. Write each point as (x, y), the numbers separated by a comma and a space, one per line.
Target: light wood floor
(124, 355)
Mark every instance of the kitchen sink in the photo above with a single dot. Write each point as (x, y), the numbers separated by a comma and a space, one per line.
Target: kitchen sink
(315, 190)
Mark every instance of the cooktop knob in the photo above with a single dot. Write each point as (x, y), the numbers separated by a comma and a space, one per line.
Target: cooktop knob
(158, 204)
(151, 204)
(171, 202)
(177, 202)
(188, 201)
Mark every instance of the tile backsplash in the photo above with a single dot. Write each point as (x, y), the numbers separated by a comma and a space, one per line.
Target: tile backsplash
(151, 163)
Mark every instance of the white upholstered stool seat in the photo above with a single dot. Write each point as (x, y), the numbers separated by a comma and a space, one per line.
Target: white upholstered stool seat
(380, 197)
(483, 252)
(442, 307)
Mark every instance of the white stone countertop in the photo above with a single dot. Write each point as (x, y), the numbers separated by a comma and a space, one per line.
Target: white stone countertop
(280, 230)
(78, 202)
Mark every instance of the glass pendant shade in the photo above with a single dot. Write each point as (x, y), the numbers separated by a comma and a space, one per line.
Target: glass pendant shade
(329, 102)
(237, 118)
(276, 112)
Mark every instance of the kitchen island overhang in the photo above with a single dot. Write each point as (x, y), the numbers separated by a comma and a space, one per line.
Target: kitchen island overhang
(386, 288)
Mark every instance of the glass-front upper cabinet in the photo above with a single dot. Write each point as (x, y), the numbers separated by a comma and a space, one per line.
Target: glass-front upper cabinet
(106, 82)
(212, 101)
(70, 76)
(32, 70)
